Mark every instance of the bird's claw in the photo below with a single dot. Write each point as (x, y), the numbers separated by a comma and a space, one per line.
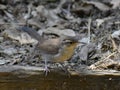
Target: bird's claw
(46, 70)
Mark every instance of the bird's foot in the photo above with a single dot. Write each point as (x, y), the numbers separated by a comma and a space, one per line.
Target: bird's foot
(46, 70)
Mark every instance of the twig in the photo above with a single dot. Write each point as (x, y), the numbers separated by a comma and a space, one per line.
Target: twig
(89, 25)
(113, 44)
(93, 66)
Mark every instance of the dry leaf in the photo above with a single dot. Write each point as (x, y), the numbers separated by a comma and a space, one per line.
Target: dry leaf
(51, 15)
(2, 7)
(116, 35)
(101, 21)
(115, 3)
(22, 37)
(99, 5)
(82, 10)
(85, 50)
(60, 32)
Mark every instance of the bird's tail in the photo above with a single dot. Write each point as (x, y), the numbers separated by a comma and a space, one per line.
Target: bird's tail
(33, 33)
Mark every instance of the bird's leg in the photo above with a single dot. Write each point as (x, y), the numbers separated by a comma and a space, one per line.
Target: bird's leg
(64, 69)
(46, 68)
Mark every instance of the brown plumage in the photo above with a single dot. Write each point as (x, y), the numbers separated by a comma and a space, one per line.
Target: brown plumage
(54, 49)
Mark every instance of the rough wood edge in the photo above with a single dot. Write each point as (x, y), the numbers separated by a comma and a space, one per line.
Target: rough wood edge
(38, 70)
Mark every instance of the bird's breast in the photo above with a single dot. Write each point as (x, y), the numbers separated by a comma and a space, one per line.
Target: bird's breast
(65, 53)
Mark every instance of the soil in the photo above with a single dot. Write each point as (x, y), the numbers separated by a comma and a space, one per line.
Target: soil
(96, 22)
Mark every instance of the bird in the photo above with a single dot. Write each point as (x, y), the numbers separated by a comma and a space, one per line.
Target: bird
(53, 49)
